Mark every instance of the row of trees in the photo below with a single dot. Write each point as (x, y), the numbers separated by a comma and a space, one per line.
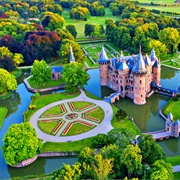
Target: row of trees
(118, 158)
(140, 26)
(93, 30)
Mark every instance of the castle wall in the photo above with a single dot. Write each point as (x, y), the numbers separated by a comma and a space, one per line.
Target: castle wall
(139, 89)
(103, 74)
(157, 75)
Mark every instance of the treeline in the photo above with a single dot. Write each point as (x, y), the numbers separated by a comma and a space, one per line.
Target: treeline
(140, 26)
(165, 12)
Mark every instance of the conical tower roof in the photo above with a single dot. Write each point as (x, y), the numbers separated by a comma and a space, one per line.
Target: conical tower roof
(147, 61)
(72, 59)
(139, 66)
(153, 55)
(103, 59)
(123, 66)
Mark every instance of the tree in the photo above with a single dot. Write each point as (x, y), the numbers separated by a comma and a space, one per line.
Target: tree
(72, 30)
(18, 59)
(110, 26)
(150, 150)
(88, 29)
(131, 157)
(161, 170)
(7, 63)
(73, 74)
(41, 72)
(7, 81)
(79, 13)
(120, 114)
(99, 141)
(64, 51)
(33, 10)
(20, 143)
(170, 37)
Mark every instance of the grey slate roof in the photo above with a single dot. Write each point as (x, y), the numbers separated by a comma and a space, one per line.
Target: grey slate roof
(57, 69)
(147, 60)
(139, 65)
(123, 66)
(153, 55)
(103, 57)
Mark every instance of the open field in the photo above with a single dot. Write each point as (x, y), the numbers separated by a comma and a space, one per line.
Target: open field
(3, 112)
(173, 107)
(54, 110)
(79, 24)
(163, 8)
(156, 1)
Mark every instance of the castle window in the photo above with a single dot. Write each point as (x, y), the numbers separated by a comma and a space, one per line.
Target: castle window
(126, 81)
(140, 81)
(141, 95)
(120, 81)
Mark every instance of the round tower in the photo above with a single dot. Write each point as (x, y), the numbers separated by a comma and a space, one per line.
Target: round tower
(103, 67)
(156, 68)
(139, 72)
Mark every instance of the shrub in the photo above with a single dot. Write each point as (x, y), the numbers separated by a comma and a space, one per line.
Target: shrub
(32, 106)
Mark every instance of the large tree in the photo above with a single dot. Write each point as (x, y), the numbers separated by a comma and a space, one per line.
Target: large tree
(20, 143)
(72, 30)
(7, 81)
(41, 72)
(73, 74)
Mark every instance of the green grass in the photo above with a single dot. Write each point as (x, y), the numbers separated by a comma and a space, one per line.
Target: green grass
(49, 84)
(3, 112)
(172, 64)
(81, 104)
(163, 8)
(91, 95)
(45, 100)
(17, 73)
(126, 124)
(6, 95)
(90, 64)
(98, 114)
(79, 24)
(77, 129)
(48, 127)
(173, 107)
(176, 175)
(156, 1)
(67, 146)
(54, 110)
(174, 160)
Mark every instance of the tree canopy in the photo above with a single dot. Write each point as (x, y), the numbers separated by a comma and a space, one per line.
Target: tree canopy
(20, 143)
(41, 72)
(7, 81)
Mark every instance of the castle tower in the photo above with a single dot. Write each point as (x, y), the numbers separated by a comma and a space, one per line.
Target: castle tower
(156, 68)
(103, 66)
(139, 72)
(71, 59)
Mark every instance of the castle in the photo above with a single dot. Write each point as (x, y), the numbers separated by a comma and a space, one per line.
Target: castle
(131, 76)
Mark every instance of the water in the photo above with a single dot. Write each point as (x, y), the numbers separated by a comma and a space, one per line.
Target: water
(146, 117)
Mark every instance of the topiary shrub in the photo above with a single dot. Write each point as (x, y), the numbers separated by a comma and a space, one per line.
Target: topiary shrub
(32, 106)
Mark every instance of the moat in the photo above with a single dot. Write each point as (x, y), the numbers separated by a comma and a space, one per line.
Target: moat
(146, 117)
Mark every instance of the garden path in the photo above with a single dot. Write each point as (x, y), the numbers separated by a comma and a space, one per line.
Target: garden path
(104, 127)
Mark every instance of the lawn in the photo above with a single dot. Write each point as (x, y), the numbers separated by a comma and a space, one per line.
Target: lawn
(126, 124)
(49, 84)
(174, 160)
(98, 114)
(44, 100)
(156, 1)
(54, 110)
(176, 176)
(79, 24)
(48, 127)
(67, 146)
(3, 112)
(77, 129)
(164, 8)
(172, 64)
(173, 107)
(90, 63)
(80, 104)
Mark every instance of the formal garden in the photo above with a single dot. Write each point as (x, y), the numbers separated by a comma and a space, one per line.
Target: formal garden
(70, 118)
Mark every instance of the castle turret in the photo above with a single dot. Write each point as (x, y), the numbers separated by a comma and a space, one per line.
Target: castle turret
(103, 66)
(71, 59)
(139, 71)
(156, 68)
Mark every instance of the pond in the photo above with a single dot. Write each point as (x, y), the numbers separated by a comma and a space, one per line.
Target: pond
(146, 117)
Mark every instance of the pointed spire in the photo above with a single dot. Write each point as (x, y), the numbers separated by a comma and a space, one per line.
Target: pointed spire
(103, 57)
(153, 55)
(72, 59)
(140, 64)
(147, 61)
(121, 56)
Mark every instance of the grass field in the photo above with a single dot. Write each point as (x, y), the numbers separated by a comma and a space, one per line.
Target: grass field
(98, 114)
(54, 110)
(172, 63)
(77, 129)
(173, 107)
(156, 1)
(177, 176)
(81, 104)
(51, 83)
(79, 24)
(174, 160)
(47, 127)
(3, 112)
(45, 100)
(164, 8)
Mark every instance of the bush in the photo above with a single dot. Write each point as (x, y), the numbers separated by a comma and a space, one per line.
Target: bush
(71, 90)
(32, 106)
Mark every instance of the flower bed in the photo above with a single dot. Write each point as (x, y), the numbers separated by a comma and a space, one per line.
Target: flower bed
(90, 110)
(86, 107)
(72, 106)
(63, 109)
(84, 115)
(85, 123)
(57, 127)
(67, 128)
(48, 120)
